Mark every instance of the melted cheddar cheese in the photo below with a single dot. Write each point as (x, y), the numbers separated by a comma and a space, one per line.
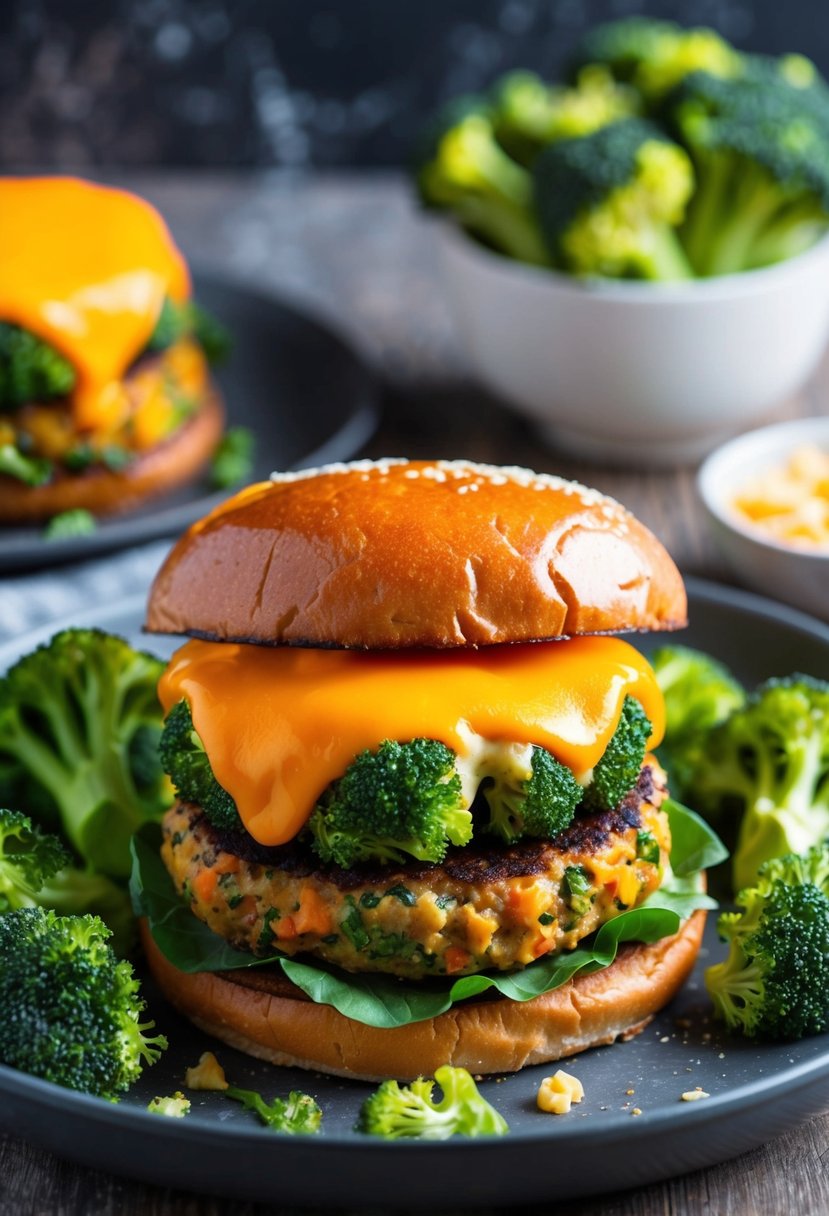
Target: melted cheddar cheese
(280, 724)
(86, 268)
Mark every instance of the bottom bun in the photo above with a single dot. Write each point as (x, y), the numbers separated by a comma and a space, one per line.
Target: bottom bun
(261, 1012)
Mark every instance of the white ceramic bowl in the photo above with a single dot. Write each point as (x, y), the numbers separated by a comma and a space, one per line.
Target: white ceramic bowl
(638, 373)
(800, 576)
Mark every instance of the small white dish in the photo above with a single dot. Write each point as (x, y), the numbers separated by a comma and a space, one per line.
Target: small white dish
(631, 372)
(799, 575)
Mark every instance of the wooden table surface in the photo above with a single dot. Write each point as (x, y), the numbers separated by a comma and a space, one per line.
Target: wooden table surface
(352, 248)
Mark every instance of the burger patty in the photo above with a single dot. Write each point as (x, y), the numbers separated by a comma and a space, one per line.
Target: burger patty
(485, 907)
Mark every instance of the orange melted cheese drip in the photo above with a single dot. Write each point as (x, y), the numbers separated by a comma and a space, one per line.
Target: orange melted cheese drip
(86, 268)
(279, 724)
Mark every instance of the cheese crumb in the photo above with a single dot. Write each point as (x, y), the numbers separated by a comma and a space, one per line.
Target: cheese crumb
(207, 1074)
(694, 1095)
(557, 1093)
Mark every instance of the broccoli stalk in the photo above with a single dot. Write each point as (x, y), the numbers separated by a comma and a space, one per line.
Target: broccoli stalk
(182, 755)
(396, 1111)
(73, 1010)
(466, 170)
(402, 800)
(767, 767)
(79, 724)
(775, 981)
(609, 203)
(540, 802)
(760, 149)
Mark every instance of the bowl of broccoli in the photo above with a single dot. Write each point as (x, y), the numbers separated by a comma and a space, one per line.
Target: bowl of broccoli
(638, 258)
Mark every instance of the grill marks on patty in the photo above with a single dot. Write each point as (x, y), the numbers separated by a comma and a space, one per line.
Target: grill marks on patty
(485, 907)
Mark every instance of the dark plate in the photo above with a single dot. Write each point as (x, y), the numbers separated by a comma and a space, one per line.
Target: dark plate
(301, 389)
(756, 1091)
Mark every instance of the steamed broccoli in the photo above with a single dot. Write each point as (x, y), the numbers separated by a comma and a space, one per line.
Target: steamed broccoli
(402, 800)
(463, 167)
(528, 113)
(653, 56)
(28, 859)
(188, 319)
(31, 470)
(396, 1111)
(298, 1114)
(767, 767)
(760, 148)
(609, 203)
(30, 369)
(35, 871)
(71, 1010)
(699, 693)
(182, 755)
(79, 724)
(775, 981)
(540, 802)
(618, 770)
(175, 1107)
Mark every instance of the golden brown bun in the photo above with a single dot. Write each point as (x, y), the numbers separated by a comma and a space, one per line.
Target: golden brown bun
(259, 1011)
(399, 553)
(103, 491)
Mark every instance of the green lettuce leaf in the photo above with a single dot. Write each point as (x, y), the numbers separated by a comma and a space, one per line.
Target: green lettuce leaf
(385, 1001)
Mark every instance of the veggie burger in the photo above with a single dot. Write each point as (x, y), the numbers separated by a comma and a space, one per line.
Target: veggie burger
(105, 392)
(410, 751)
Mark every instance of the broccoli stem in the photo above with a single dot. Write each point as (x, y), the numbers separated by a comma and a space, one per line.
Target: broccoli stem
(670, 262)
(509, 229)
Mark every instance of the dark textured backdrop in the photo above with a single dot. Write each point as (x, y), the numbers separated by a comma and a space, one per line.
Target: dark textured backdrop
(292, 82)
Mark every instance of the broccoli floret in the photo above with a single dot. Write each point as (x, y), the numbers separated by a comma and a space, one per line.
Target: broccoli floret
(464, 169)
(540, 802)
(775, 980)
(71, 1009)
(654, 56)
(396, 1111)
(35, 871)
(31, 470)
(760, 148)
(766, 767)
(609, 203)
(175, 1107)
(298, 1114)
(188, 319)
(699, 693)
(74, 717)
(232, 461)
(77, 522)
(618, 770)
(30, 369)
(528, 113)
(28, 858)
(183, 756)
(402, 800)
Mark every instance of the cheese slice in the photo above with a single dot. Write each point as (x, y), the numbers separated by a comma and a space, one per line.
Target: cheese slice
(86, 268)
(279, 724)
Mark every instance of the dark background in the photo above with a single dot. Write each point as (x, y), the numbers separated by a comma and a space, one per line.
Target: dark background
(295, 82)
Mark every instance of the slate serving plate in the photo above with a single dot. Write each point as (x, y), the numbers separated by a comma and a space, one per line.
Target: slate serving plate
(756, 1091)
(305, 394)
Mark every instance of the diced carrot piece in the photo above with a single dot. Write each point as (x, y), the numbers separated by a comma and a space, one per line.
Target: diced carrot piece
(456, 959)
(226, 863)
(204, 884)
(285, 928)
(314, 915)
